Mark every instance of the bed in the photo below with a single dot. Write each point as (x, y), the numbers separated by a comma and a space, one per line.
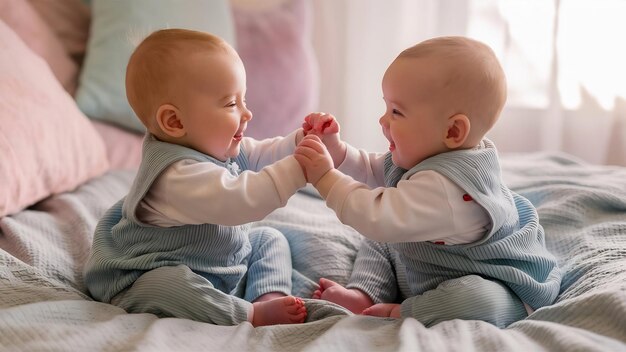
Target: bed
(61, 170)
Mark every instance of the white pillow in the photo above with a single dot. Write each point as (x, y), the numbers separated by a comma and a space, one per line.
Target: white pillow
(117, 27)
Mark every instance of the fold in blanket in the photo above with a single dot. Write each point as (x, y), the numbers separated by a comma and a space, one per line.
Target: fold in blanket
(44, 306)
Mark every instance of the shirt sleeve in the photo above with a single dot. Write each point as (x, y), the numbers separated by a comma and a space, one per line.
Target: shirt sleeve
(364, 167)
(422, 208)
(191, 192)
(264, 152)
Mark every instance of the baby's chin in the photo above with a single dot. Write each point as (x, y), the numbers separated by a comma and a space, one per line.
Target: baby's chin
(395, 159)
(407, 165)
(234, 150)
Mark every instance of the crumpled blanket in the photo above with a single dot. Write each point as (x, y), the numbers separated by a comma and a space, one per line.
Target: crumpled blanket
(44, 304)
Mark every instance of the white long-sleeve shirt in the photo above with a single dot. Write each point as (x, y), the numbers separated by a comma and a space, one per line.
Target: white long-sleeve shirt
(192, 192)
(426, 207)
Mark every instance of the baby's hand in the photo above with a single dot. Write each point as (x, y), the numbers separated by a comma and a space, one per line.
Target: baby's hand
(313, 158)
(327, 128)
(320, 124)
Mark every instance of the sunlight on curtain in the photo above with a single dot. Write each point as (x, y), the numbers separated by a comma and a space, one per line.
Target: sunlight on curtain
(524, 50)
(564, 59)
(586, 66)
(355, 41)
(562, 62)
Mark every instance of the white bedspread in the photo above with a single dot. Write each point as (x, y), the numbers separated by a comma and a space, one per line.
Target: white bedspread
(43, 305)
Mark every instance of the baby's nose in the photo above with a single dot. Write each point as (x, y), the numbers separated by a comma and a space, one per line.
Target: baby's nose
(382, 121)
(247, 115)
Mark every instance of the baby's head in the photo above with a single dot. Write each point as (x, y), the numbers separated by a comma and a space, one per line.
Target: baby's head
(442, 94)
(188, 87)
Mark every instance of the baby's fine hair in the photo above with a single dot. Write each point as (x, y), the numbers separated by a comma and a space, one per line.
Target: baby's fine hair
(156, 62)
(474, 76)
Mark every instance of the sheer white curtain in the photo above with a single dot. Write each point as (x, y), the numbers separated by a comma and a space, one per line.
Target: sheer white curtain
(565, 61)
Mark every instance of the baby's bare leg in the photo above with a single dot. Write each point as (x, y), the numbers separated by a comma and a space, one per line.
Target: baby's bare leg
(353, 299)
(383, 310)
(282, 310)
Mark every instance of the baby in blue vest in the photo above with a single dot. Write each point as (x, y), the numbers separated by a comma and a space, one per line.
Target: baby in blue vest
(180, 244)
(445, 238)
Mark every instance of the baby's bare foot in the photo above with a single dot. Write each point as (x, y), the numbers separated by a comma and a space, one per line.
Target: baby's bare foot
(353, 299)
(270, 296)
(317, 294)
(383, 310)
(283, 310)
(324, 284)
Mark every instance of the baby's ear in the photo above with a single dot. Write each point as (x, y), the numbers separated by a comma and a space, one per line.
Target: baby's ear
(168, 119)
(457, 131)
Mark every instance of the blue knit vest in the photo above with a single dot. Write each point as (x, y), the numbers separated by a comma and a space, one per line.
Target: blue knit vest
(512, 251)
(124, 248)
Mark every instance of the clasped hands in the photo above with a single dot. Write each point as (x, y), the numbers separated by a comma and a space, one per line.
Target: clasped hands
(321, 132)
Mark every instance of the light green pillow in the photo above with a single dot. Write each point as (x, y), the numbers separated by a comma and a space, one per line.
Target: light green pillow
(116, 28)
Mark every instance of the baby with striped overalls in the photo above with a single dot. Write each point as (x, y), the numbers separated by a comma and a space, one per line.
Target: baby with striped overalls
(180, 244)
(444, 237)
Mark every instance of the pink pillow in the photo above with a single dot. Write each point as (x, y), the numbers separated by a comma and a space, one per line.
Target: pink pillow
(47, 146)
(69, 19)
(274, 42)
(123, 147)
(24, 20)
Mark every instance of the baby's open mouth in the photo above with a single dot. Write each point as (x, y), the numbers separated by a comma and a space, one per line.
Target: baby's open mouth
(238, 136)
(392, 146)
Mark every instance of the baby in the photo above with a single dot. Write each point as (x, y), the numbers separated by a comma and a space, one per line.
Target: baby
(445, 236)
(180, 243)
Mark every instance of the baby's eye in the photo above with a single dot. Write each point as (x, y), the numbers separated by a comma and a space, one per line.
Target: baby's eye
(231, 104)
(396, 112)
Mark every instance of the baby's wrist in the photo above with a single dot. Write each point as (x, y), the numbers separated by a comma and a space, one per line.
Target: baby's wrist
(315, 182)
(339, 153)
(337, 150)
(326, 181)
